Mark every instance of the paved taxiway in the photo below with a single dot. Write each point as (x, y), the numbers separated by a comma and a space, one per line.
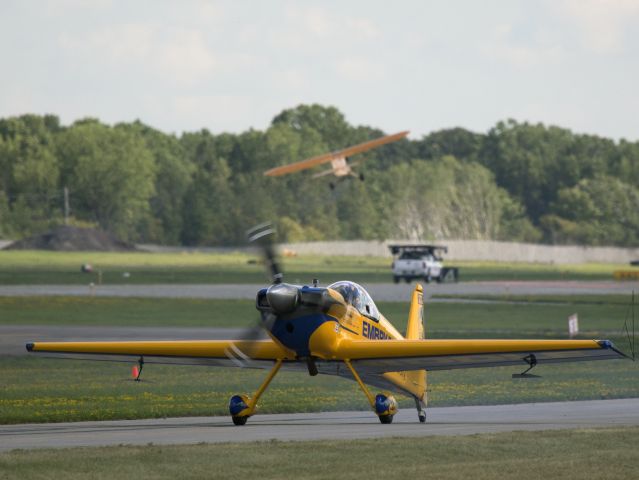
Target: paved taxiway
(320, 426)
(379, 291)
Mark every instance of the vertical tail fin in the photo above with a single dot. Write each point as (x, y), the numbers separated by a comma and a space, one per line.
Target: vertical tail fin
(415, 331)
(415, 326)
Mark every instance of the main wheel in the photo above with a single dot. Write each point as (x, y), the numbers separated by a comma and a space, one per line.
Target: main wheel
(240, 420)
(239, 409)
(386, 418)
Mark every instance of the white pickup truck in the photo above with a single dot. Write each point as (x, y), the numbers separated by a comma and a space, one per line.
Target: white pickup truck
(420, 262)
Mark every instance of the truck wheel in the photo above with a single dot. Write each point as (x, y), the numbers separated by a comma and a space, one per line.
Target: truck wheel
(427, 278)
(395, 279)
(445, 275)
(407, 279)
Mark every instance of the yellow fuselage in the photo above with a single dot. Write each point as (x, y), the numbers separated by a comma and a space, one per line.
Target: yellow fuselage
(328, 340)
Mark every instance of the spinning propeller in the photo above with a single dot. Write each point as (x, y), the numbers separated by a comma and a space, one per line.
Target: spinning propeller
(282, 296)
(279, 301)
(262, 235)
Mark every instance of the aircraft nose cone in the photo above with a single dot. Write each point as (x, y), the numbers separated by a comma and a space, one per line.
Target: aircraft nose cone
(282, 297)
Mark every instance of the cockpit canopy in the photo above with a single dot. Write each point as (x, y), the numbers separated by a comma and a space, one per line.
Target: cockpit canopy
(356, 296)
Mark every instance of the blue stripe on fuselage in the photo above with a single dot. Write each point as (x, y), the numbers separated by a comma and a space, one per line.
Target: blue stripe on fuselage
(302, 329)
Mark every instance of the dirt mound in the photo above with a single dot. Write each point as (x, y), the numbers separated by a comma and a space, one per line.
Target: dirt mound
(70, 239)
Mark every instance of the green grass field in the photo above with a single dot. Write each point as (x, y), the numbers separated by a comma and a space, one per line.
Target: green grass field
(607, 453)
(578, 299)
(38, 267)
(542, 316)
(40, 389)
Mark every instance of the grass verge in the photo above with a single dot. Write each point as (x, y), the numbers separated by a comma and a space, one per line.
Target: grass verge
(604, 316)
(591, 299)
(43, 390)
(55, 268)
(606, 453)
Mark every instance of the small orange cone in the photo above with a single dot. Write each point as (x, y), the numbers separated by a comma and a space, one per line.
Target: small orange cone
(135, 371)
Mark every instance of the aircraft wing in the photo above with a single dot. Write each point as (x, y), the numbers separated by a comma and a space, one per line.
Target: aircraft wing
(327, 157)
(198, 352)
(381, 356)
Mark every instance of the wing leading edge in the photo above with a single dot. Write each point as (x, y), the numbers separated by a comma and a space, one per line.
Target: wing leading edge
(371, 356)
(381, 356)
(201, 350)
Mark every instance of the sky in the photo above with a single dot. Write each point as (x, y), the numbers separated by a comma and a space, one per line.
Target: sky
(405, 65)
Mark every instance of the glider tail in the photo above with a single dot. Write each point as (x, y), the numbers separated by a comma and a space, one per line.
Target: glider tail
(415, 331)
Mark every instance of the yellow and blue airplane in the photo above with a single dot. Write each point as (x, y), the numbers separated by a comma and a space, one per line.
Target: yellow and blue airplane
(338, 330)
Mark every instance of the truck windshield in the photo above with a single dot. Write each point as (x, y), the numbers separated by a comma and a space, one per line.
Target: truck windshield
(411, 255)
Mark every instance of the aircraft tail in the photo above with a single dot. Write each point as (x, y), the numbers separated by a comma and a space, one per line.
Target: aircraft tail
(415, 326)
(415, 331)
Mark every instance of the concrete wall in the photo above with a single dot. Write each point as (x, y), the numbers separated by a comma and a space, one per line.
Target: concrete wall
(481, 250)
(457, 250)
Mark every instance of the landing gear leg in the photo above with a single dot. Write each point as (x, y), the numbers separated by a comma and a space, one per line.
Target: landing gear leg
(242, 407)
(531, 360)
(384, 406)
(140, 367)
(421, 409)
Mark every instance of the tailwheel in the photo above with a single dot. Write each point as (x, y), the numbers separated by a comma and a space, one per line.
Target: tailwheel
(239, 421)
(386, 418)
(420, 403)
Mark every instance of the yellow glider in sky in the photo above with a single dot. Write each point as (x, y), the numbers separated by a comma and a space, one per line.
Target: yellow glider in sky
(339, 159)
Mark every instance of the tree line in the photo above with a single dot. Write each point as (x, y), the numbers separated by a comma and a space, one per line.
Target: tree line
(517, 182)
